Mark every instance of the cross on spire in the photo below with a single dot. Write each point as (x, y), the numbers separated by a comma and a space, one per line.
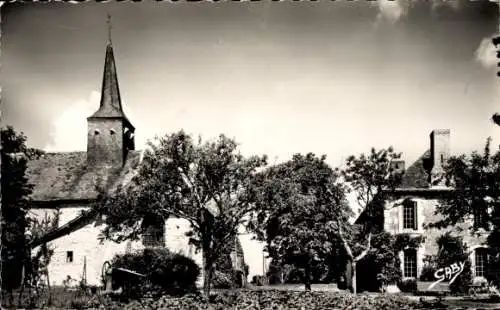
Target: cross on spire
(109, 28)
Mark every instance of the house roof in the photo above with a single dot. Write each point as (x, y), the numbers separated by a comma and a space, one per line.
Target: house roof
(415, 179)
(66, 176)
(417, 175)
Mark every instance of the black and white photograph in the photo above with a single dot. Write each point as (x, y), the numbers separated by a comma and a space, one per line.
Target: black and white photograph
(250, 155)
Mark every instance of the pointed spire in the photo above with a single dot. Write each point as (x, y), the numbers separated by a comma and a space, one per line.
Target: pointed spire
(111, 105)
(110, 26)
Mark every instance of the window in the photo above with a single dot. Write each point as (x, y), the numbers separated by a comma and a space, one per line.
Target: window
(481, 256)
(154, 233)
(442, 159)
(69, 256)
(410, 263)
(410, 215)
(480, 218)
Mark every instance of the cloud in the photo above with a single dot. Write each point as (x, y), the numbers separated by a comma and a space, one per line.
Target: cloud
(391, 10)
(486, 53)
(69, 129)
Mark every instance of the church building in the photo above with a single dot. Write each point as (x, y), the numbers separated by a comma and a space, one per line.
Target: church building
(65, 185)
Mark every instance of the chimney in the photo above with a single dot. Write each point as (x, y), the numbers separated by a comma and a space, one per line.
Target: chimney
(440, 152)
(398, 165)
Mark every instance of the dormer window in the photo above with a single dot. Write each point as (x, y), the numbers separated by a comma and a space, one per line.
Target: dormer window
(96, 132)
(112, 131)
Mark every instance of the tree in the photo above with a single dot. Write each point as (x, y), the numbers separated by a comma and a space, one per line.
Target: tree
(296, 201)
(373, 179)
(15, 191)
(36, 266)
(452, 250)
(475, 179)
(207, 184)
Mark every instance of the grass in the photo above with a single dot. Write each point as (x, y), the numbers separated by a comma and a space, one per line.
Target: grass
(60, 298)
(64, 299)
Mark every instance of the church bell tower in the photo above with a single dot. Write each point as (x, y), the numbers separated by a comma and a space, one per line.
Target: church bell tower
(110, 135)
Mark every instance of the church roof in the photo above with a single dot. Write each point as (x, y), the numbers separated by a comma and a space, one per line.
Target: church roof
(66, 176)
(110, 105)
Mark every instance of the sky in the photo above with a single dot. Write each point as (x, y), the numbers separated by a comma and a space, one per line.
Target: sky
(333, 78)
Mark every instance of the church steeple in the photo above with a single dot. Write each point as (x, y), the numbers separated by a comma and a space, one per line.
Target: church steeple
(111, 105)
(110, 133)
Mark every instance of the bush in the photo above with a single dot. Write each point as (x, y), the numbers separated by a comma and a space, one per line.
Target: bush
(279, 300)
(258, 280)
(221, 280)
(166, 273)
(453, 250)
(408, 285)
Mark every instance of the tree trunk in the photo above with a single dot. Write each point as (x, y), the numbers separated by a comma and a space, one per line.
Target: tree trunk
(207, 279)
(307, 277)
(354, 284)
(208, 269)
(348, 275)
(49, 302)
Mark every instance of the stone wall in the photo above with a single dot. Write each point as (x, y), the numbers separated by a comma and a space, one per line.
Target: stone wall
(85, 246)
(105, 143)
(426, 214)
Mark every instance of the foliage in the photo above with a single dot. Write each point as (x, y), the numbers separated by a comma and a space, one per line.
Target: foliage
(258, 280)
(476, 182)
(381, 266)
(297, 201)
(372, 175)
(207, 184)
(166, 272)
(222, 279)
(15, 190)
(373, 178)
(225, 275)
(451, 249)
(279, 300)
(429, 268)
(408, 285)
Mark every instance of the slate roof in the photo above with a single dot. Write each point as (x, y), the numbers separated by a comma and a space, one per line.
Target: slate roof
(66, 176)
(417, 175)
(111, 105)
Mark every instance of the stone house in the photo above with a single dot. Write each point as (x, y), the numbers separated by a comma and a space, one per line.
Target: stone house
(413, 206)
(65, 185)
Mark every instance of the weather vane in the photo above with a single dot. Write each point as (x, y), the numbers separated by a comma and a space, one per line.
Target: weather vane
(109, 27)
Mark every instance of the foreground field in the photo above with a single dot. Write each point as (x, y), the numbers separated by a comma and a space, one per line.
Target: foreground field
(279, 299)
(264, 297)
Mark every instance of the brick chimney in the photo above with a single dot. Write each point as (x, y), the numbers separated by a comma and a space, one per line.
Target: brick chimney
(440, 152)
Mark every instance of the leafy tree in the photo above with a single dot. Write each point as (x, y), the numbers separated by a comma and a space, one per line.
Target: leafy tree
(297, 200)
(475, 179)
(36, 266)
(208, 184)
(373, 179)
(476, 182)
(452, 250)
(15, 191)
